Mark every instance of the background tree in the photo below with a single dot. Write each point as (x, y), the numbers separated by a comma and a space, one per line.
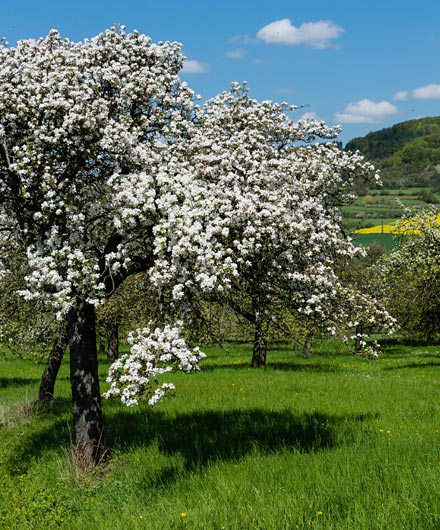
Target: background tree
(134, 304)
(410, 275)
(359, 273)
(266, 238)
(28, 326)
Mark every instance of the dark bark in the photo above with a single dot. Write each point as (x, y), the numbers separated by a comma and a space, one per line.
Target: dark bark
(113, 343)
(86, 396)
(101, 344)
(47, 383)
(358, 340)
(260, 347)
(308, 345)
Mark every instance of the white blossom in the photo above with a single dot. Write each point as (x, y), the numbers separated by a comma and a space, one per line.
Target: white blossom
(153, 353)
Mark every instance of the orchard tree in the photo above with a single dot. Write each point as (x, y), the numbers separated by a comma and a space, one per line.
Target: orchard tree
(23, 324)
(268, 220)
(360, 274)
(135, 303)
(409, 276)
(86, 131)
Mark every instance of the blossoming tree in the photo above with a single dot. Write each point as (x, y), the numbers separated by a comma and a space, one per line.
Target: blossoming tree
(85, 130)
(264, 235)
(408, 278)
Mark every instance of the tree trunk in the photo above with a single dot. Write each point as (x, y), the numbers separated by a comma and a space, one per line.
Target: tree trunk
(101, 344)
(86, 396)
(48, 379)
(308, 345)
(260, 347)
(358, 340)
(113, 343)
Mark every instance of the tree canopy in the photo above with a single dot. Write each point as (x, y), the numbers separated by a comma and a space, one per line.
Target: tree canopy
(85, 134)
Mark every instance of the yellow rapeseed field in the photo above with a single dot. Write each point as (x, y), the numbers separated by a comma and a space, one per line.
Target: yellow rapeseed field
(391, 228)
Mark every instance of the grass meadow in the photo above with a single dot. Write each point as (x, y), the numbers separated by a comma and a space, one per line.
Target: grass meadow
(328, 442)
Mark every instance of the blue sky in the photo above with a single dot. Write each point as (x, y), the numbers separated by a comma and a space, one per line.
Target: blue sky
(366, 65)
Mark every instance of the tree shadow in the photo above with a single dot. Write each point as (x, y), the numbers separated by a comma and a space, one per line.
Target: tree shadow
(314, 366)
(49, 429)
(284, 366)
(200, 439)
(408, 341)
(422, 364)
(7, 382)
(197, 438)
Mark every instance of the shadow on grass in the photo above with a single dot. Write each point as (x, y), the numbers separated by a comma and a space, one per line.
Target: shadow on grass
(6, 382)
(408, 341)
(421, 364)
(307, 367)
(399, 352)
(202, 438)
(197, 439)
(45, 430)
(293, 366)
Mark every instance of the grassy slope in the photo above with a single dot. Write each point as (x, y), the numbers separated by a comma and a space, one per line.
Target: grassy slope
(328, 442)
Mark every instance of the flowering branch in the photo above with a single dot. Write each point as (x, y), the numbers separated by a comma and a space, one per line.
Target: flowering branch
(153, 352)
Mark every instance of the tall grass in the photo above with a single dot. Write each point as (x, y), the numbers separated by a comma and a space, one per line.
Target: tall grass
(330, 442)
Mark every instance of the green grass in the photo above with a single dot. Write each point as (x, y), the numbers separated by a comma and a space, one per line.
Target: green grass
(386, 241)
(330, 442)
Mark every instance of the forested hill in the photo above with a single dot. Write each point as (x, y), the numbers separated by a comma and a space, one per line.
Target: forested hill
(408, 153)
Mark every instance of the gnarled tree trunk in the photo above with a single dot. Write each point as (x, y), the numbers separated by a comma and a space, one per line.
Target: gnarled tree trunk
(86, 396)
(48, 379)
(260, 345)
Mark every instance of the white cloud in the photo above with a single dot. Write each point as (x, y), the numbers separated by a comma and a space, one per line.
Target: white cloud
(238, 53)
(309, 116)
(195, 67)
(402, 95)
(366, 111)
(234, 39)
(314, 34)
(427, 92)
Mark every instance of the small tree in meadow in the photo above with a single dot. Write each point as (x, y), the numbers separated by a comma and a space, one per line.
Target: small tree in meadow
(410, 275)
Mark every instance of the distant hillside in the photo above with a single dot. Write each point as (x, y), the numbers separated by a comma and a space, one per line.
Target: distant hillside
(408, 154)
